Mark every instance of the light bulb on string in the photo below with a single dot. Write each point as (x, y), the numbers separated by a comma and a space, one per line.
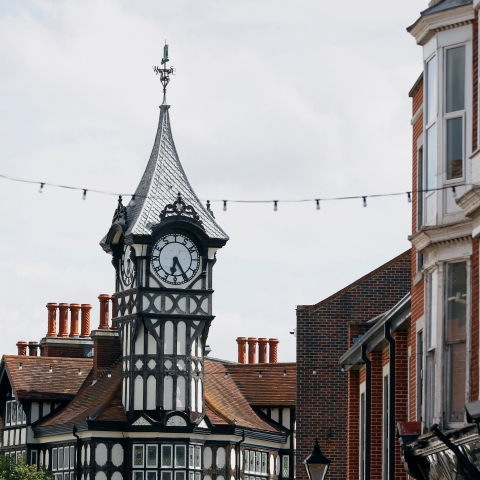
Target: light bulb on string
(79, 371)
(109, 374)
(275, 205)
(50, 369)
(284, 373)
(364, 201)
(224, 205)
(409, 197)
(318, 204)
(132, 201)
(84, 196)
(314, 371)
(454, 192)
(260, 374)
(226, 375)
(40, 190)
(20, 367)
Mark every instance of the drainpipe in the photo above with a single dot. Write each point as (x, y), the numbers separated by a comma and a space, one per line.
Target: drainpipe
(368, 408)
(79, 454)
(391, 403)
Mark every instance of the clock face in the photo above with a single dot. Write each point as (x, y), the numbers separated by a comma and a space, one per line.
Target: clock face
(175, 259)
(128, 265)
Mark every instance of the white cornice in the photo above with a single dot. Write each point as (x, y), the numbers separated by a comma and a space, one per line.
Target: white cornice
(441, 234)
(476, 4)
(426, 26)
(470, 202)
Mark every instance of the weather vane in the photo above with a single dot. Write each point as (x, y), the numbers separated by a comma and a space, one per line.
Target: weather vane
(164, 72)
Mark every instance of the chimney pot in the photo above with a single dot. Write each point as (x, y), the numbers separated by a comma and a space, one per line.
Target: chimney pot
(242, 349)
(74, 311)
(63, 330)
(52, 319)
(22, 348)
(33, 349)
(104, 301)
(273, 342)
(262, 350)
(252, 349)
(85, 307)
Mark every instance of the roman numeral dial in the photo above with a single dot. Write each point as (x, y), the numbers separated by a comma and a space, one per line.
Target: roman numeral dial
(175, 259)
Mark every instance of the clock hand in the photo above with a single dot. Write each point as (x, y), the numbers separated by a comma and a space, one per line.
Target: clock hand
(172, 268)
(175, 260)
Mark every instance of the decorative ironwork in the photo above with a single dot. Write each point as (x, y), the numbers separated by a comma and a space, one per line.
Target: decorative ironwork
(120, 215)
(164, 72)
(179, 208)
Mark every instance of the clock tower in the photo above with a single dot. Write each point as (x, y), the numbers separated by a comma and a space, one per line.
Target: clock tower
(163, 245)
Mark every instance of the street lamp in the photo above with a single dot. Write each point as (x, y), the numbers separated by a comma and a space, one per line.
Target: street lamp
(316, 464)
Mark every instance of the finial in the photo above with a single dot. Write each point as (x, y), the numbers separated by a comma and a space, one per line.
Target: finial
(164, 72)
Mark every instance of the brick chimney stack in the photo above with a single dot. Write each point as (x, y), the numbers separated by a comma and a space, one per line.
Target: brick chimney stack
(242, 349)
(22, 348)
(63, 330)
(52, 319)
(74, 310)
(33, 349)
(252, 349)
(104, 302)
(262, 350)
(273, 349)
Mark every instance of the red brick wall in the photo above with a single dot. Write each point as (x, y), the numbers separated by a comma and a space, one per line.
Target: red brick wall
(322, 337)
(58, 351)
(107, 351)
(376, 423)
(353, 440)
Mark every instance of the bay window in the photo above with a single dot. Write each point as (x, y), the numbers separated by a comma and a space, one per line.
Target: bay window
(430, 125)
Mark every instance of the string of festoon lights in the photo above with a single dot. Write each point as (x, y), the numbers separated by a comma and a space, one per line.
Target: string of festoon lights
(275, 203)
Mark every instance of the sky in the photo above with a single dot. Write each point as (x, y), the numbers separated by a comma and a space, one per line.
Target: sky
(272, 99)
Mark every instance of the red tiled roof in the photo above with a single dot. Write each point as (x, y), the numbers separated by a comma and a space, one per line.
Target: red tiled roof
(273, 389)
(34, 382)
(99, 400)
(225, 404)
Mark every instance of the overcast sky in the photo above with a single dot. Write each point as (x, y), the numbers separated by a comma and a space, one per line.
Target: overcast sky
(273, 99)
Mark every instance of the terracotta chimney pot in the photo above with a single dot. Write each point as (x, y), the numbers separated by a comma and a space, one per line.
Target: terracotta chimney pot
(252, 349)
(52, 319)
(22, 348)
(63, 329)
(85, 307)
(114, 312)
(32, 349)
(262, 350)
(242, 349)
(104, 301)
(74, 311)
(273, 349)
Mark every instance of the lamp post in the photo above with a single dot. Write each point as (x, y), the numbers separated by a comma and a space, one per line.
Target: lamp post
(316, 464)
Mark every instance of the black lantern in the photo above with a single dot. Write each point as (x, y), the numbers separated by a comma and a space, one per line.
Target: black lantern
(316, 464)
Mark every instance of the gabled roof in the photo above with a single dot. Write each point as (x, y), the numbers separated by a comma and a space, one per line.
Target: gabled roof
(273, 389)
(225, 403)
(100, 400)
(34, 382)
(162, 181)
(445, 5)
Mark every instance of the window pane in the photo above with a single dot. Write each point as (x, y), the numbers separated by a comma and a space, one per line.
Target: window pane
(138, 455)
(54, 459)
(66, 458)
(191, 456)
(431, 156)
(137, 475)
(285, 466)
(455, 79)
(151, 475)
(166, 456)
(432, 318)
(431, 89)
(72, 457)
(454, 148)
(180, 454)
(198, 457)
(180, 475)
(252, 462)
(456, 308)
(14, 413)
(151, 455)
(258, 461)
(264, 463)
(191, 476)
(166, 475)
(60, 458)
(34, 457)
(198, 476)
(9, 413)
(246, 462)
(456, 368)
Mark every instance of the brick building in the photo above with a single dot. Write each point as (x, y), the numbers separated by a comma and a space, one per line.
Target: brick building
(322, 331)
